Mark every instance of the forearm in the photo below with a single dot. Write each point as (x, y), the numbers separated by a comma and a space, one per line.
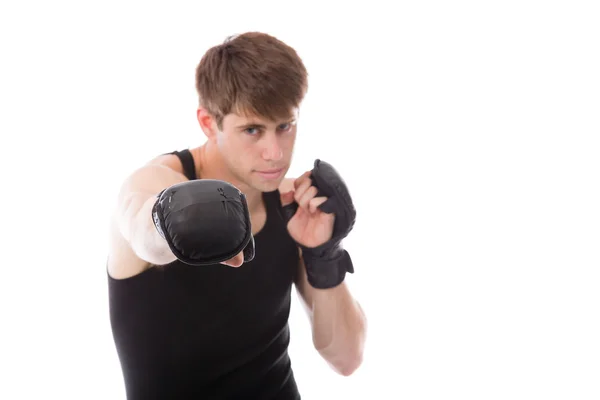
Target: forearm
(339, 327)
(140, 231)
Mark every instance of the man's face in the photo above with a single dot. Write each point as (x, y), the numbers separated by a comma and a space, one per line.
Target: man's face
(257, 151)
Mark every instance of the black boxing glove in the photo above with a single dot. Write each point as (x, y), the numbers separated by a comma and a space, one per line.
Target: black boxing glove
(204, 221)
(327, 264)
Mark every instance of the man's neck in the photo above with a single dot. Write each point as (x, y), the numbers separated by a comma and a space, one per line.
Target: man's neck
(210, 165)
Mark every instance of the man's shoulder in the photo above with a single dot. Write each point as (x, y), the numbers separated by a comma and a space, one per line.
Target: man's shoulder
(167, 163)
(169, 160)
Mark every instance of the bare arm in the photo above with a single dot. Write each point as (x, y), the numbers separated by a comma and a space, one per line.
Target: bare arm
(134, 211)
(338, 323)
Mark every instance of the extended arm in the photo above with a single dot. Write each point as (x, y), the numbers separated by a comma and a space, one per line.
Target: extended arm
(133, 213)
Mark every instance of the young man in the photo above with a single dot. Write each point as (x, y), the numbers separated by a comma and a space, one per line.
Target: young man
(207, 243)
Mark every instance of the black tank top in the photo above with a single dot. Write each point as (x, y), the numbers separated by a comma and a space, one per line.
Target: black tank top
(213, 332)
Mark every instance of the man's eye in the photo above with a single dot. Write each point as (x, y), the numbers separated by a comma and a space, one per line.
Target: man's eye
(285, 127)
(251, 131)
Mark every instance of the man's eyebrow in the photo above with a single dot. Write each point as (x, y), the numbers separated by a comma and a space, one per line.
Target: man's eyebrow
(251, 125)
(290, 120)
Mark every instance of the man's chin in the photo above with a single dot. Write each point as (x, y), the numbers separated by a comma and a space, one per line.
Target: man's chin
(267, 186)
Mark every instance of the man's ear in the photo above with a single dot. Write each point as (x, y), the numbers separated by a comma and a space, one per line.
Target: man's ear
(207, 122)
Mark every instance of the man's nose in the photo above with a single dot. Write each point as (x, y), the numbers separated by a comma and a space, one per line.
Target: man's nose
(272, 148)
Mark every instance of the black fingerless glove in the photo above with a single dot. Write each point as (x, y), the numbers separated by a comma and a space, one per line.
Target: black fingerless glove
(204, 221)
(327, 264)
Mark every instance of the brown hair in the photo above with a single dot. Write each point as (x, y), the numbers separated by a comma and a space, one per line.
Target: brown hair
(252, 74)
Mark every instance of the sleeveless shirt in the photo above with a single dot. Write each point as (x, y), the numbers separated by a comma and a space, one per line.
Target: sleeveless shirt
(213, 332)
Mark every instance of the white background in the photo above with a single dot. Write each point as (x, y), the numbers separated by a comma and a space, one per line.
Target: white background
(468, 133)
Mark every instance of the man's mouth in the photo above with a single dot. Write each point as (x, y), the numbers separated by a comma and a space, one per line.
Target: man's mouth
(272, 173)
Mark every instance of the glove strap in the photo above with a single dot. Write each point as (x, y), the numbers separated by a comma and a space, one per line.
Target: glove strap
(327, 270)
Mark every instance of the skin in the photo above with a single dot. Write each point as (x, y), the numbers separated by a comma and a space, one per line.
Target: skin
(244, 150)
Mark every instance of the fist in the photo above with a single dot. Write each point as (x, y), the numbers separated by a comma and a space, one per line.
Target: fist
(320, 214)
(309, 226)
